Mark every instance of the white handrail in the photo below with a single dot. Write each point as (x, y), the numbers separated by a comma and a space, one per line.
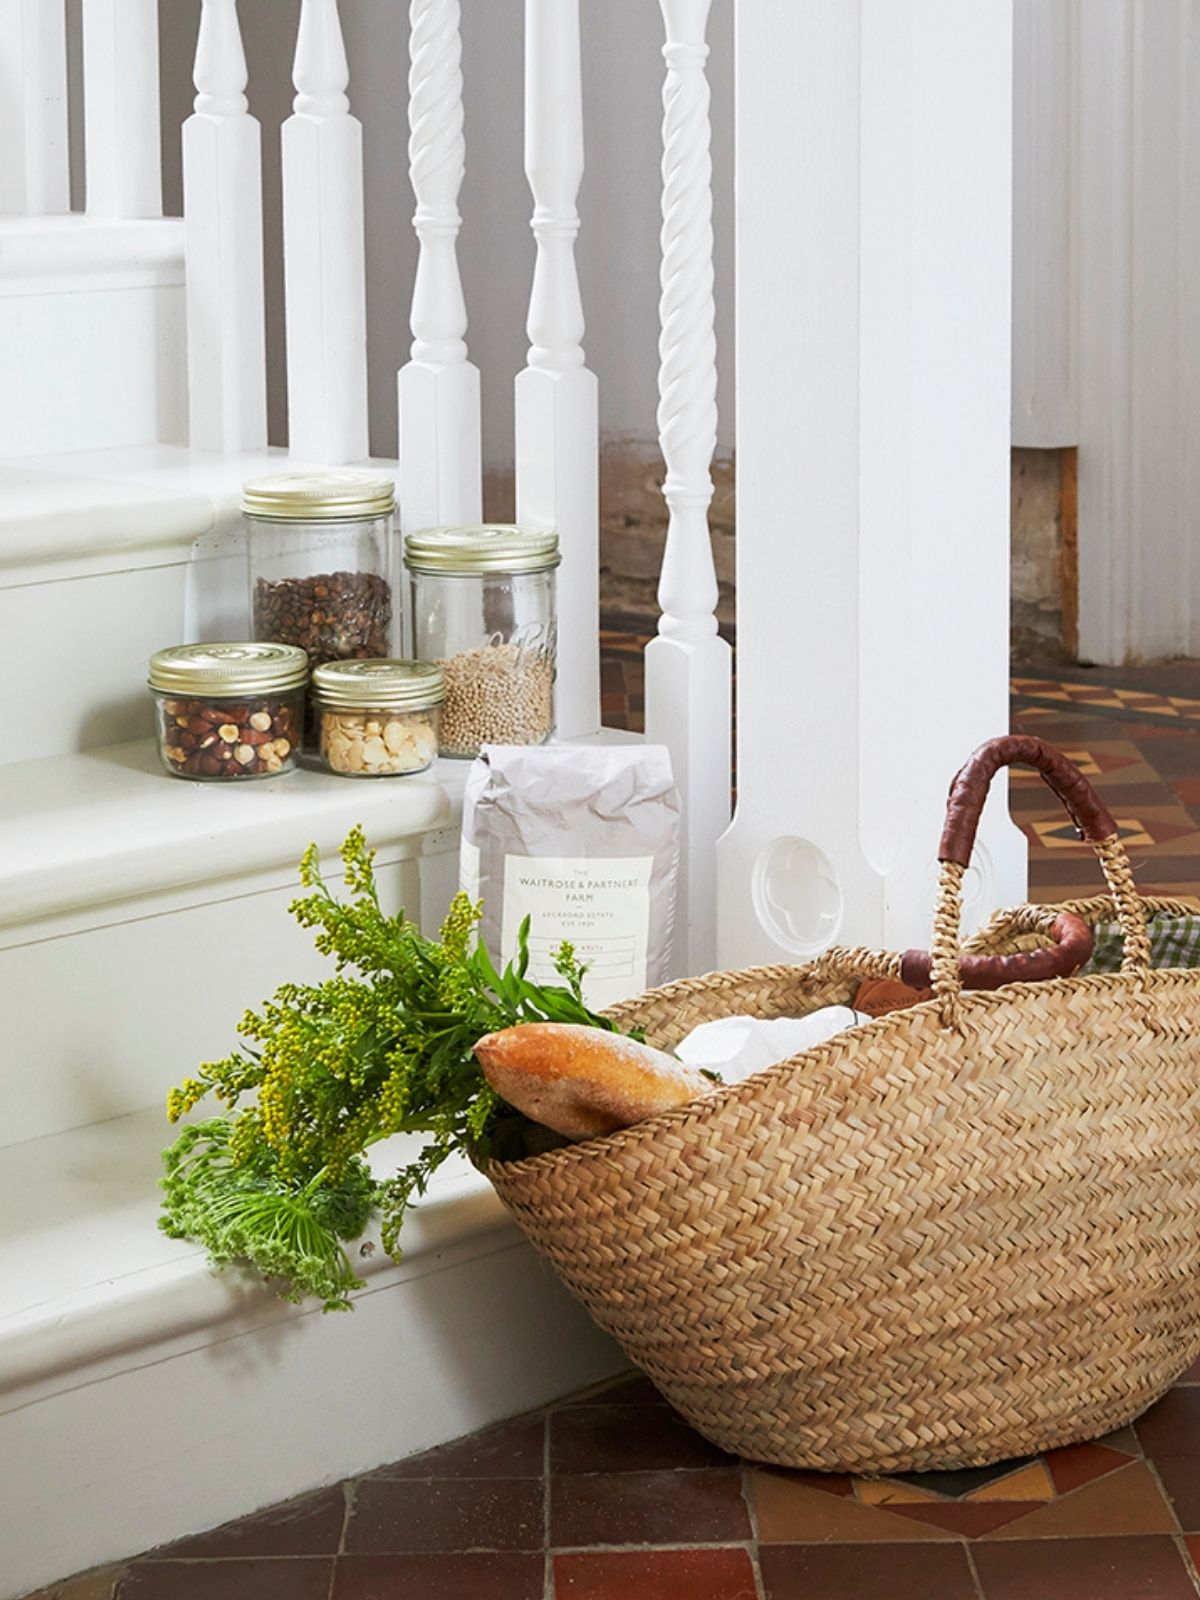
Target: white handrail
(121, 108)
(438, 389)
(688, 666)
(34, 177)
(555, 396)
(324, 249)
(222, 191)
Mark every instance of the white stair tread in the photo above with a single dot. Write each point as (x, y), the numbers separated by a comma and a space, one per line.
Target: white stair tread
(93, 502)
(109, 824)
(78, 244)
(85, 1272)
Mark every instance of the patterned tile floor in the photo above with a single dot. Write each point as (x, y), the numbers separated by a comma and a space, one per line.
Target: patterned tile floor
(610, 1496)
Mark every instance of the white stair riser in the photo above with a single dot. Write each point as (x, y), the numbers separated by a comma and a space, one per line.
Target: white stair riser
(78, 645)
(103, 1020)
(91, 369)
(198, 1432)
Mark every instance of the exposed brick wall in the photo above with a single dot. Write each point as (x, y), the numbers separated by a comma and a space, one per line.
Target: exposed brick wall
(633, 525)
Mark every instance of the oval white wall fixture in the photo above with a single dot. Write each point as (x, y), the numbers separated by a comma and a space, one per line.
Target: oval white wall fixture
(797, 896)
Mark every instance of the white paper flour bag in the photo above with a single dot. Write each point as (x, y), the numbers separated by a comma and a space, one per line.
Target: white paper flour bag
(585, 842)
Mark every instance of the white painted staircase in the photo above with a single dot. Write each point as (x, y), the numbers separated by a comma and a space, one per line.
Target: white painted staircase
(142, 1397)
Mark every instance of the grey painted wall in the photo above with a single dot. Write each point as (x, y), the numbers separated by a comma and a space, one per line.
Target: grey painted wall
(619, 202)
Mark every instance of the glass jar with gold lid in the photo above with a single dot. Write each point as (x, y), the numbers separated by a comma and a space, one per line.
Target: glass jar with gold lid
(484, 607)
(228, 711)
(320, 555)
(378, 718)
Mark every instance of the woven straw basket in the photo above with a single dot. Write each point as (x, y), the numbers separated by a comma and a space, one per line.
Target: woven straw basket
(962, 1232)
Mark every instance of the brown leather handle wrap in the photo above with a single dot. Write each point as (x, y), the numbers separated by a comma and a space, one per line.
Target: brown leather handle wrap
(1073, 946)
(969, 791)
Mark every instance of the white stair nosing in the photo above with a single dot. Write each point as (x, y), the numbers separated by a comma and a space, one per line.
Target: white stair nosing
(109, 826)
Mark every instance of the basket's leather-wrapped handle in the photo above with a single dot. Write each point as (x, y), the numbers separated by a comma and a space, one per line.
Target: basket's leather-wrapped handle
(1073, 945)
(947, 971)
(970, 789)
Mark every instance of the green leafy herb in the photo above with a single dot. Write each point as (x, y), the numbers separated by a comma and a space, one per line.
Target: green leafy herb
(384, 1046)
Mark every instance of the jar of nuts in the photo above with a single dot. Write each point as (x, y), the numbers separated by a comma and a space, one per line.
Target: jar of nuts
(378, 718)
(229, 711)
(319, 547)
(484, 608)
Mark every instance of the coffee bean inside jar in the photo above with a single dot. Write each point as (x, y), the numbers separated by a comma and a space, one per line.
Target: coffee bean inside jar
(333, 616)
(229, 711)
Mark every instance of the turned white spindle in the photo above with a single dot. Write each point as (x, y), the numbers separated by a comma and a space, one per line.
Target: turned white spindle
(688, 666)
(123, 146)
(34, 178)
(324, 250)
(556, 401)
(440, 474)
(222, 203)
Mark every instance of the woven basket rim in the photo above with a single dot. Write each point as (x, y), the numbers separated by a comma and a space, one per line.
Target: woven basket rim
(972, 1003)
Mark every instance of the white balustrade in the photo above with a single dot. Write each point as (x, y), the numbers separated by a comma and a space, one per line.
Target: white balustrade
(34, 178)
(440, 471)
(222, 194)
(688, 668)
(874, 268)
(324, 250)
(555, 396)
(121, 108)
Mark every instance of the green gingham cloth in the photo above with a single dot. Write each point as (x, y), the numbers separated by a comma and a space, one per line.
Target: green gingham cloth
(1174, 942)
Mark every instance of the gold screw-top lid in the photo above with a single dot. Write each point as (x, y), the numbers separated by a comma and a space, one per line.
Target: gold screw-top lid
(228, 668)
(382, 684)
(349, 496)
(481, 547)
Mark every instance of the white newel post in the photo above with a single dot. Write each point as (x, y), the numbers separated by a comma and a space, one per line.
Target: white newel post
(121, 108)
(34, 178)
(874, 151)
(440, 476)
(556, 399)
(324, 250)
(222, 202)
(688, 666)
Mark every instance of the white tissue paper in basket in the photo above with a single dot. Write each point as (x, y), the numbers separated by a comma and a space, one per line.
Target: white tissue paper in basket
(737, 1046)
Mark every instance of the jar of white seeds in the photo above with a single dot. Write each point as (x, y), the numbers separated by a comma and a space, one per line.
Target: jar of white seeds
(377, 719)
(484, 608)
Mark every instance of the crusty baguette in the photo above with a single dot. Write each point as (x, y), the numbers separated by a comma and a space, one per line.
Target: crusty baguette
(582, 1081)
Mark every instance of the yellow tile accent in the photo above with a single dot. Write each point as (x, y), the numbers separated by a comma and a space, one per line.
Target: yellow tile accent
(1031, 1483)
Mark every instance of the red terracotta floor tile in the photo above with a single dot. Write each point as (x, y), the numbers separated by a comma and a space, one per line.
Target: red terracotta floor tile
(1083, 1569)
(1172, 1427)
(656, 1575)
(311, 1526)
(970, 1518)
(627, 1439)
(416, 1516)
(1180, 1477)
(667, 1508)
(866, 1572)
(636, 1390)
(289, 1578)
(497, 1575)
(1076, 1464)
(513, 1449)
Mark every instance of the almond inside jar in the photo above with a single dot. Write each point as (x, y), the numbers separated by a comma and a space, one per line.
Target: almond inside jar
(376, 742)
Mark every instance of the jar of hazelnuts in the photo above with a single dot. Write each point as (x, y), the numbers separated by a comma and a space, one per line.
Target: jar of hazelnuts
(378, 719)
(229, 711)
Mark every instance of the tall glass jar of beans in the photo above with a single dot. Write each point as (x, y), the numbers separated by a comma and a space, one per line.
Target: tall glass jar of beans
(320, 551)
(484, 608)
(227, 712)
